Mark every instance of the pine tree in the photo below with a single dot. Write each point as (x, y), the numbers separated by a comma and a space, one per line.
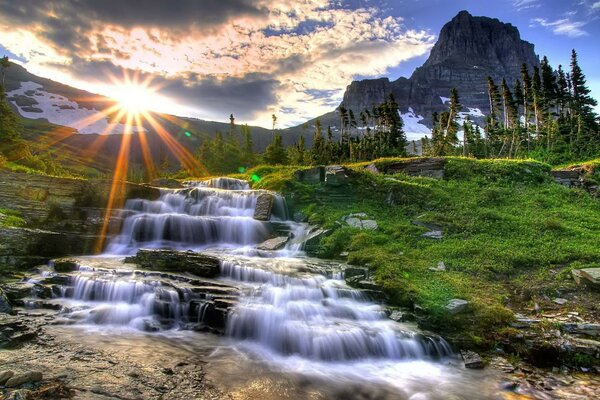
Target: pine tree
(536, 95)
(583, 103)
(276, 154)
(549, 86)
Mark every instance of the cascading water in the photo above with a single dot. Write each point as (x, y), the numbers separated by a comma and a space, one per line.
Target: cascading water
(279, 305)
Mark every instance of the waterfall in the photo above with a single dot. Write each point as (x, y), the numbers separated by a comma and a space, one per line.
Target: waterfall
(319, 319)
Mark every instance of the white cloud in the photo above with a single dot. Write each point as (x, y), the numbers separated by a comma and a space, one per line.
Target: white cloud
(525, 4)
(565, 26)
(596, 6)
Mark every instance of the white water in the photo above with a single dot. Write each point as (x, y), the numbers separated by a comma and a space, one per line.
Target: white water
(293, 313)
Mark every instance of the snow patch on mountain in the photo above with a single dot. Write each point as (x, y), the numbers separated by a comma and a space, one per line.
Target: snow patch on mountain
(413, 127)
(59, 110)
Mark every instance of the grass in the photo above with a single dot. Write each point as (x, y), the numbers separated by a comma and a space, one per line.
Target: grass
(11, 218)
(506, 226)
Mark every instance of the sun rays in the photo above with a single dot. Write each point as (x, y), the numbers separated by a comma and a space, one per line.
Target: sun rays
(130, 112)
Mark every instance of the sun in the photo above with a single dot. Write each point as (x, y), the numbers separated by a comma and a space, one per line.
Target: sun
(135, 96)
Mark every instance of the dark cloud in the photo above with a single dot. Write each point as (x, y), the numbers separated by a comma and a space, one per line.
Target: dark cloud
(65, 23)
(246, 96)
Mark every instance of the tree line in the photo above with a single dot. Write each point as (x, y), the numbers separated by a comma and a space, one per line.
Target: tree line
(548, 114)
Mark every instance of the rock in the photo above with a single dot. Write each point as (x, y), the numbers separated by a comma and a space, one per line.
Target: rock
(472, 360)
(456, 306)
(21, 379)
(431, 167)
(440, 267)
(5, 375)
(361, 272)
(312, 242)
(336, 175)
(437, 235)
(167, 183)
(583, 329)
(311, 175)
(66, 265)
(300, 217)
(591, 276)
(264, 206)
(468, 50)
(5, 306)
(274, 244)
(357, 220)
(397, 316)
(560, 301)
(198, 264)
(20, 394)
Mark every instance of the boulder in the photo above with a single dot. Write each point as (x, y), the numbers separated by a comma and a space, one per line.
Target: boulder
(472, 360)
(5, 306)
(5, 376)
(66, 265)
(311, 175)
(336, 175)
(20, 394)
(591, 276)
(432, 167)
(361, 272)
(372, 168)
(264, 206)
(274, 244)
(21, 379)
(167, 183)
(198, 264)
(560, 301)
(358, 220)
(456, 306)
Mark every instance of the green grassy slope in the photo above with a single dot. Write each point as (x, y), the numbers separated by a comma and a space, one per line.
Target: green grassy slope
(508, 228)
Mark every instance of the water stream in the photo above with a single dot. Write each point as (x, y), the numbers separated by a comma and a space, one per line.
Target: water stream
(288, 315)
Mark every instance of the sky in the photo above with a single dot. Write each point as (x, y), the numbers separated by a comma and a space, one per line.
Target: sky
(254, 58)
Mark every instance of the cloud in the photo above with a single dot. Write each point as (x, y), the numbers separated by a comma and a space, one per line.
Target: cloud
(249, 57)
(596, 6)
(521, 5)
(565, 26)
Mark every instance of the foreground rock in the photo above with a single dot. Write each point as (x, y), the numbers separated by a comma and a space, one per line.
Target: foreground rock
(431, 167)
(360, 221)
(587, 276)
(198, 264)
(472, 360)
(5, 306)
(456, 306)
(277, 243)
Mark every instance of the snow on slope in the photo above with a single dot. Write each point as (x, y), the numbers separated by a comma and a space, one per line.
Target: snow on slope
(413, 127)
(59, 110)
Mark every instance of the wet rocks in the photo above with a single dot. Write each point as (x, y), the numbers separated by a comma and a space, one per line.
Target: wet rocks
(264, 207)
(300, 217)
(274, 244)
(456, 306)
(471, 359)
(312, 242)
(21, 379)
(198, 264)
(66, 265)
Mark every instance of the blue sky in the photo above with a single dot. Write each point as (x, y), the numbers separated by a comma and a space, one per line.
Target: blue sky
(255, 58)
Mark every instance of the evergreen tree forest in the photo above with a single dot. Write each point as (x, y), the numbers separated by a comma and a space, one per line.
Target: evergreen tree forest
(547, 115)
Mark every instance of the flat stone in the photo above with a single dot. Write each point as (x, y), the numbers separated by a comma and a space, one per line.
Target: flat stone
(560, 301)
(66, 265)
(358, 220)
(433, 235)
(455, 306)
(21, 379)
(274, 244)
(5, 375)
(199, 264)
(472, 360)
(336, 175)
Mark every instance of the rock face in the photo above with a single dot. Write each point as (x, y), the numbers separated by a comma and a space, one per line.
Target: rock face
(21, 379)
(468, 50)
(197, 264)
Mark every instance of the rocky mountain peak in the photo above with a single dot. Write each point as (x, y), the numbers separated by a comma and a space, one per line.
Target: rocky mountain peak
(468, 50)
